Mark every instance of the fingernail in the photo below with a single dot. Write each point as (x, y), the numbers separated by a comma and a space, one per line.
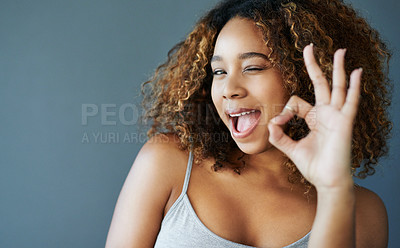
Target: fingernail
(275, 120)
(312, 45)
(344, 50)
(360, 69)
(278, 120)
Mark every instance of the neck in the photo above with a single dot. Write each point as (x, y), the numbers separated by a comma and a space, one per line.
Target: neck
(267, 166)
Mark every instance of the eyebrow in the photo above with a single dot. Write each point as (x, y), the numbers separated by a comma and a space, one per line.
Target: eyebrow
(242, 56)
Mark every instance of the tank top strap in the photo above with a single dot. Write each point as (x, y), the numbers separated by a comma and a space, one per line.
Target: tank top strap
(188, 171)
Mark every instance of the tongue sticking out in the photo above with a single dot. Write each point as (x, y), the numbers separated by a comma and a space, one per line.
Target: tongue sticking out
(247, 121)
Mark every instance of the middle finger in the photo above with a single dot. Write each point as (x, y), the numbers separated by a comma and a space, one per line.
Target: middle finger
(321, 88)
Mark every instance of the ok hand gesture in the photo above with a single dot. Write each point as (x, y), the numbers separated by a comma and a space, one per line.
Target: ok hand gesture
(324, 155)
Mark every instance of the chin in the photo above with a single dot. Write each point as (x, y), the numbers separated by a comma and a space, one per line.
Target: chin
(254, 147)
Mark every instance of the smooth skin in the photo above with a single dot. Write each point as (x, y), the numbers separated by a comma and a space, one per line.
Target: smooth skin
(260, 207)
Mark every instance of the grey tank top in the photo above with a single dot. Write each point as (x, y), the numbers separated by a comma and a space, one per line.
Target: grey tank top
(182, 228)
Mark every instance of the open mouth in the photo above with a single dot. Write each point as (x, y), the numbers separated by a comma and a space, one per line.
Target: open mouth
(243, 123)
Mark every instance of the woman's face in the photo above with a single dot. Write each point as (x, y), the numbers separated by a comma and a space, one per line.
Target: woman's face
(247, 92)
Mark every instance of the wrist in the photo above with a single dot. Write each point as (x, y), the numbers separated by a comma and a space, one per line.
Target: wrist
(339, 193)
(335, 216)
(338, 186)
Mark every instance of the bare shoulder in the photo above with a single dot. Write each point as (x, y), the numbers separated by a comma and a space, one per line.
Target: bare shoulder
(371, 219)
(147, 189)
(162, 152)
(160, 163)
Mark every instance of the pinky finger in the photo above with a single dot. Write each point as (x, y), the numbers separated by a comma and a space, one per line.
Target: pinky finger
(353, 94)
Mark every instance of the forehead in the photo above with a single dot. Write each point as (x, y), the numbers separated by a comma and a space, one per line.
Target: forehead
(239, 35)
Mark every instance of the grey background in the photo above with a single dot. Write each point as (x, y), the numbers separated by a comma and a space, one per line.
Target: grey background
(58, 189)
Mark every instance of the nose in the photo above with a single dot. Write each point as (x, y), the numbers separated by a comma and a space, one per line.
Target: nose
(233, 88)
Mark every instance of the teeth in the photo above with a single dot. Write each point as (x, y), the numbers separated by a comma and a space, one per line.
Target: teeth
(243, 113)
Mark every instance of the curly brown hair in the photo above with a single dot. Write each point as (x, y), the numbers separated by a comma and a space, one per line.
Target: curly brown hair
(177, 98)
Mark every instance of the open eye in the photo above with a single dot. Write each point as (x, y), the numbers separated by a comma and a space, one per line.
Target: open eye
(218, 72)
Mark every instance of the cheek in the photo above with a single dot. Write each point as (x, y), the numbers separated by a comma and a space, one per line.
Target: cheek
(217, 99)
(215, 96)
(273, 97)
(276, 89)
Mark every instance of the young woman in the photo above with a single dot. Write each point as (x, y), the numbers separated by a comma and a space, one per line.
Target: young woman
(260, 118)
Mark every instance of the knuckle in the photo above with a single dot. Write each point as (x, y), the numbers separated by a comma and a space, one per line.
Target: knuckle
(352, 102)
(338, 66)
(318, 77)
(339, 87)
(293, 100)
